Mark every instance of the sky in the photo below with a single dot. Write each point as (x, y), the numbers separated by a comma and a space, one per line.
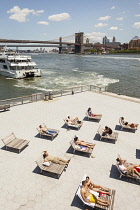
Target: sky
(51, 19)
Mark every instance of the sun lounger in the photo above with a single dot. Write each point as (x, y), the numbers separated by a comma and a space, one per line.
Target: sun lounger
(5, 107)
(136, 177)
(43, 134)
(97, 117)
(80, 148)
(105, 197)
(70, 125)
(113, 136)
(54, 170)
(127, 127)
(12, 142)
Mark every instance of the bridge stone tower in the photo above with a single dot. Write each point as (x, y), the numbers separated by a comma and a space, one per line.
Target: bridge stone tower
(60, 45)
(79, 39)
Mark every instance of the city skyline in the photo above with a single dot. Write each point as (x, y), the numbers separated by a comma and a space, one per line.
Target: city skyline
(45, 20)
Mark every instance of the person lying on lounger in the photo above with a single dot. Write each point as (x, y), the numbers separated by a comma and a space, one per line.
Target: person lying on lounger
(45, 130)
(96, 188)
(107, 131)
(90, 113)
(50, 158)
(132, 125)
(74, 121)
(83, 143)
(89, 197)
(128, 170)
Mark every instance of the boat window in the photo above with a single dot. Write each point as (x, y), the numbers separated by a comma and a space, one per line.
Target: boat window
(5, 67)
(13, 67)
(2, 61)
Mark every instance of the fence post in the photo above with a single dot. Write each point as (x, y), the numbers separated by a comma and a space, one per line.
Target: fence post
(22, 101)
(81, 88)
(61, 92)
(90, 87)
(126, 91)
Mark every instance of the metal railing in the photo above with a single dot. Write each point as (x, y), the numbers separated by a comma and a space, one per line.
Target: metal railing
(59, 93)
(63, 92)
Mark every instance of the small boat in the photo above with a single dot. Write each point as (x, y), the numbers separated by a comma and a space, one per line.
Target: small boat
(18, 66)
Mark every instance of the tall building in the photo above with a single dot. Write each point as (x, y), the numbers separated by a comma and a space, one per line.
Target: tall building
(134, 43)
(114, 39)
(105, 40)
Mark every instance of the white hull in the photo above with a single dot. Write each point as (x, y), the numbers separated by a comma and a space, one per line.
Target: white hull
(21, 74)
(18, 67)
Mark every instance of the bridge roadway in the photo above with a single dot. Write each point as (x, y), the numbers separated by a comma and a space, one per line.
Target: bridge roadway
(42, 42)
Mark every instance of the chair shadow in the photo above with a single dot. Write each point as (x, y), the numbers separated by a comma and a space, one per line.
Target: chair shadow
(91, 120)
(118, 128)
(138, 153)
(4, 110)
(82, 154)
(115, 174)
(97, 138)
(13, 150)
(78, 203)
(47, 174)
(44, 137)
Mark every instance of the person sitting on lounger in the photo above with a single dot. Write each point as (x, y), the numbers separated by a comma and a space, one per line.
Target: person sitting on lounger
(83, 143)
(74, 121)
(123, 122)
(128, 170)
(96, 188)
(50, 158)
(90, 113)
(89, 197)
(43, 129)
(107, 131)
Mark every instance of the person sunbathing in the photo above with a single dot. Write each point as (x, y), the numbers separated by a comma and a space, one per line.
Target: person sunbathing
(89, 196)
(74, 121)
(107, 131)
(90, 113)
(50, 158)
(129, 169)
(96, 188)
(123, 122)
(83, 143)
(45, 130)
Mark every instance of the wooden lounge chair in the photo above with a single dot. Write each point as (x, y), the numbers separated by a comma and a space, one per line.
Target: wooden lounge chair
(127, 127)
(43, 134)
(95, 205)
(5, 107)
(70, 125)
(136, 177)
(54, 170)
(97, 117)
(12, 142)
(113, 136)
(79, 148)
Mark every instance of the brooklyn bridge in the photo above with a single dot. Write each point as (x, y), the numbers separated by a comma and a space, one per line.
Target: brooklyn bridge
(77, 40)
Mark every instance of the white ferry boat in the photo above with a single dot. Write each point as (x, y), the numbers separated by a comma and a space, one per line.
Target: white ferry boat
(18, 66)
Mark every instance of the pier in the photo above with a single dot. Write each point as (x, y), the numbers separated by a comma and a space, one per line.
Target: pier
(21, 184)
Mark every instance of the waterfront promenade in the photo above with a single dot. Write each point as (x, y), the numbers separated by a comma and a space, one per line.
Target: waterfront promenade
(22, 187)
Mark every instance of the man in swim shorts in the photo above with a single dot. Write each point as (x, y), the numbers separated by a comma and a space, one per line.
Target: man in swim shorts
(89, 197)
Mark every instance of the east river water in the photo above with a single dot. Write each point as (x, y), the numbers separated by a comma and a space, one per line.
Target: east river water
(119, 73)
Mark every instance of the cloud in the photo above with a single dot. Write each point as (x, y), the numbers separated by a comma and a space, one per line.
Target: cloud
(136, 25)
(43, 23)
(121, 29)
(95, 36)
(113, 7)
(101, 25)
(105, 18)
(137, 15)
(38, 12)
(113, 28)
(119, 18)
(59, 17)
(20, 15)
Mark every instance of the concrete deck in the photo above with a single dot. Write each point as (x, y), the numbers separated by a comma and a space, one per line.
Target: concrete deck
(21, 184)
